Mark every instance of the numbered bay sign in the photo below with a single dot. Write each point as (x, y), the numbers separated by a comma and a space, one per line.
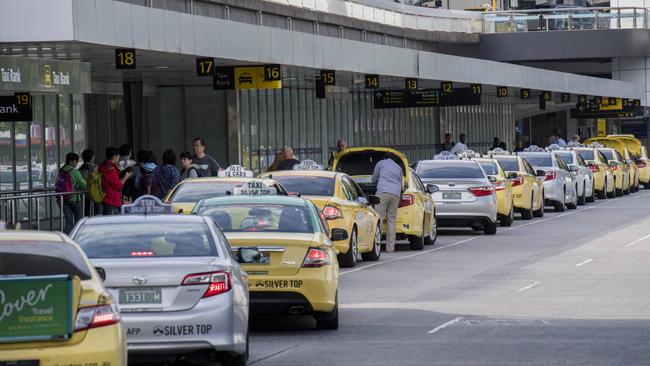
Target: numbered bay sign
(308, 165)
(254, 187)
(147, 205)
(235, 171)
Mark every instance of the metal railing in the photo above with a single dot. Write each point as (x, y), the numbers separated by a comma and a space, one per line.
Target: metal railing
(565, 19)
(35, 210)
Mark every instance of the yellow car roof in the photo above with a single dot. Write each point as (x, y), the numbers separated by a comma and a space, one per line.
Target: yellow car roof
(372, 148)
(30, 236)
(300, 173)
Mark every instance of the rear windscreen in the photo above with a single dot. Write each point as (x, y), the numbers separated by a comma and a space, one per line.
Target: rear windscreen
(260, 217)
(566, 156)
(609, 154)
(489, 167)
(146, 239)
(192, 192)
(511, 165)
(586, 154)
(42, 259)
(363, 162)
(539, 159)
(446, 170)
(307, 185)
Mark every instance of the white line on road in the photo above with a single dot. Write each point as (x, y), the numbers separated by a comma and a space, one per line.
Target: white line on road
(637, 241)
(445, 325)
(584, 262)
(528, 287)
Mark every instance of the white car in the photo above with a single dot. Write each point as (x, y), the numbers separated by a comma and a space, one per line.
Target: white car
(560, 186)
(582, 174)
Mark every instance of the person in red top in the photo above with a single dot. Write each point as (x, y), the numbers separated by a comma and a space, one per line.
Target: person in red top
(111, 183)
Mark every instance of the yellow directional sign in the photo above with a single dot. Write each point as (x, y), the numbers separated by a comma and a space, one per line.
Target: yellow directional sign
(607, 104)
(252, 77)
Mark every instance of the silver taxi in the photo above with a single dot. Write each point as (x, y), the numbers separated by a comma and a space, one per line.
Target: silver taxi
(581, 172)
(180, 290)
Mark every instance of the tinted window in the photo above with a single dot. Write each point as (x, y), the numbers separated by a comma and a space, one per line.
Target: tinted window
(603, 158)
(539, 159)
(42, 259)
(306, 185)
(260, 217)
(449, 170)
(348, 189)
(511, 165)
(586, 154)
(196, 191)
(489, 167)
(609, 155)
(581, 161)
(566, 156)
(150, 239)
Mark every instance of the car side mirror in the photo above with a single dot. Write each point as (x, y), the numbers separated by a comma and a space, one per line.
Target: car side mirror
(573, 168)
(373, 200)
(540, 173)
(248, 255)
(513, 175)
(339, 234)
(362, 200)
(101, 272)
(492, 179)
(432, 188)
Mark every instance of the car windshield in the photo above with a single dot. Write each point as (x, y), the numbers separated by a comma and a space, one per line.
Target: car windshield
(489, 167)
(511, 165)
(539, 159)
(192, 192)
(251, 217)
(609, 154)
(566, 156)
(307, 185)
(429, 170)
(146, 239)
(586, 154)
(41, 259)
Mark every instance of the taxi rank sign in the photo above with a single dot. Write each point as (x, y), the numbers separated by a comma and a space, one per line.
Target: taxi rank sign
(16, 108)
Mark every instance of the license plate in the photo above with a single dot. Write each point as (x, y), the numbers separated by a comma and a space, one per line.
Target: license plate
(140, 296)
(20, 363)
(451, 195)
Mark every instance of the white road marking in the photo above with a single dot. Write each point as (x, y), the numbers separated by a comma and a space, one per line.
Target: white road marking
(637, 241)
(445, 325)
(528, 287)
(584, 262)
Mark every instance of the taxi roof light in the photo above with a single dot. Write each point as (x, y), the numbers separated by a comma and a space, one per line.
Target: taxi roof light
(316, 258)
(498, 151)
(96, 316)
(554, 147)
(445, 155)
(469, 154)
(533, 148)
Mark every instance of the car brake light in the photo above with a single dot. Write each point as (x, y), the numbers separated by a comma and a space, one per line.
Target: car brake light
(316, 258)
(407, 200)
(499, 185)
(614, 167)
(641, 164)
(482, 191)
(549, 175)
(145, 253)
(517, 181)
(332, 213)
(218, 282)
(594, 168)
(96, 316)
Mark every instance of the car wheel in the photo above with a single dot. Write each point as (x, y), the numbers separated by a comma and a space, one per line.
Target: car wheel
(329, 321)
(603, 194)
(416, 242)
(375, 253)
(583, 197)
(507, 220)
(490, 228)
(646, 186)
(592, 198)
(574, 200)
(560, 206)
(527, 214)
(540, 211)
(613, 193)
(619, 192)
(431, 239)
(349, 259)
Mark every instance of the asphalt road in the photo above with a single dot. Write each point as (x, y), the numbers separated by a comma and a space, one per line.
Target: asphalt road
(567, 289)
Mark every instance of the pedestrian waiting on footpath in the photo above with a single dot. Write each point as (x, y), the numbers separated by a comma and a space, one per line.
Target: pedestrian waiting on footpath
(70, 180)
(206, 165)
(111, 184)
(166, 175)
(87, 168)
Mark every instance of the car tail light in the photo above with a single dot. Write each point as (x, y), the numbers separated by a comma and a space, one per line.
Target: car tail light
(550, 175)
(332, 213)
(614, 167)
(517, 181)
(641, 164)
(96, 316)
(594, 168)
(499, 185)
(219, 282)
(482, 191)
(316, 258)
(145, 253)
(407, 200)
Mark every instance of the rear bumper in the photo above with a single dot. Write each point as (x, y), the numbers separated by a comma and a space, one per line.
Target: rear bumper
(553, 192)
(100, 346)
(268, 303)
(408, 222)
(463, 221)
(483, 209)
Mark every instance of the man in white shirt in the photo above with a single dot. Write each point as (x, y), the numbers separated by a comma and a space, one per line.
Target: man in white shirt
(460, 146)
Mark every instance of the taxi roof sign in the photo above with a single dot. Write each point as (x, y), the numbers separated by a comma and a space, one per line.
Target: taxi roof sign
(574, 144)
(147, 205)
(596, 145)
(554, 147)
(445, 155)
(498, 151)
(533, 148)
(308, 165)
(237, 171)
(468, 154)
(255, 187)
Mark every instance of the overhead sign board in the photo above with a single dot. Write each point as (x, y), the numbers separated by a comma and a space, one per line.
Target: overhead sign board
(224, 78)
(205, 66)
(247, 77)
(16, 107)
(125, 58)
(425, 98)
(372, 81)
(147, 205)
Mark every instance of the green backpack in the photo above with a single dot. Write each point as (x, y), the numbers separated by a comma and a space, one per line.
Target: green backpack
(95, 189)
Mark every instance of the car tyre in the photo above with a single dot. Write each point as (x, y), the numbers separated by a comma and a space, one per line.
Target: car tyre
(507, 220)
(375, 253)
(431, 239)
(560, 206)
(527, 214)
(349, 259)
(490, 228)
(592, 198)
(574, 203)
(329, 321)
(540, 211)
(582, 200)
(416, 242)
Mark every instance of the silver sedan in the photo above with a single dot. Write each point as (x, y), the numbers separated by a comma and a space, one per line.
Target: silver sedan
(560, 186)
(180, 291)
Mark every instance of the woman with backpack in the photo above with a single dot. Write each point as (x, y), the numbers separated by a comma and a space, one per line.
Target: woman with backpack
(187, 170)
(87, 168)
(166, 176)
(70, 180)
(111, 183)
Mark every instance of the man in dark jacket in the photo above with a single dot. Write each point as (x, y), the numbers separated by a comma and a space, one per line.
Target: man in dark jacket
(111, 183)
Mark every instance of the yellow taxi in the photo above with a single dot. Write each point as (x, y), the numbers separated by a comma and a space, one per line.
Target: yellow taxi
(416, 213)
(67, 317)
(640, 156)
(503, 188)
(599, 166)
(527, 188)
(620, 170)
(187, 193)
(644, 168)
(294, 270)
(344, 206)
(627, 158)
